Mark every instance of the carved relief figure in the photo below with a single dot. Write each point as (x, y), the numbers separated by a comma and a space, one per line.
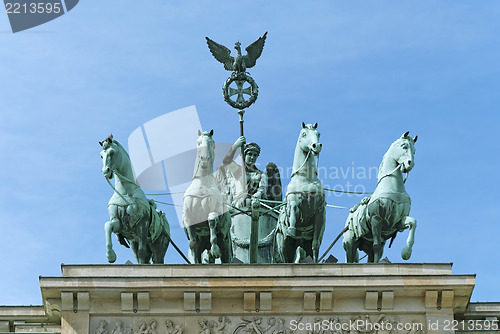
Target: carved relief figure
(336, 326)
(172, 328)
(205, 326)
(143, 328)
(152, 327)
(221, 327)
(281, 327)
(119, 328)
(253, 326)
(102, 329)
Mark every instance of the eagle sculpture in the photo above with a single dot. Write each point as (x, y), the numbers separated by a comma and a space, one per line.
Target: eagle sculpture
(239, 63)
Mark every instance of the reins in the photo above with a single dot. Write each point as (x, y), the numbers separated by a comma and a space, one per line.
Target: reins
(304, 163)
(392, 172)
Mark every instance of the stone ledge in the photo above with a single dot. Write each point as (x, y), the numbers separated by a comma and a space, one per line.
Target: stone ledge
(258, 270)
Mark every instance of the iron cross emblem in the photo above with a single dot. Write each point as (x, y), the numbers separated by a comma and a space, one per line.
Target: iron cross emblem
(240, 91)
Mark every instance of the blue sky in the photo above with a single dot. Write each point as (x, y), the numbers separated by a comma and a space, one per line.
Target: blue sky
(366, 71)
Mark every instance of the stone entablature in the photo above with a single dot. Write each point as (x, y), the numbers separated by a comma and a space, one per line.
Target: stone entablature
(28, 319)
(479, 318)
(260, 299)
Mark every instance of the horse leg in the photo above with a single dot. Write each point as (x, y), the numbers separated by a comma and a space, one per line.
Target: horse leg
(278, 246)
(193, 256)
(293, 211)
(190, 229)
(376, 226)
(351, 251)
(289, 249)
(319, 229)
(300, 254)
(213, 221)
(226, 254)
(371, 256)
(111, 226)
(195, 248)
(143, 254)
(159, 249)
(133, 246)
(224, 238)
(410, 223)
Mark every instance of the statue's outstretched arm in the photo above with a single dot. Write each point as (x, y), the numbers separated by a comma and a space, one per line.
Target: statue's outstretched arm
(230, 155)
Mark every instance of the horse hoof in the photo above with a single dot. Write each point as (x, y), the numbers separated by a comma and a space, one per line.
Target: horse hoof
(406, 253)
(215, 251)
(111, 256)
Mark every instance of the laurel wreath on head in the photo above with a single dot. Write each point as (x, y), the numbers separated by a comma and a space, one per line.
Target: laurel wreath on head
(240, 77)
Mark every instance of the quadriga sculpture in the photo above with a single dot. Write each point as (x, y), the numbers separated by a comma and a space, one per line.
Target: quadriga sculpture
(301, 222)
(379, 217)
(133, 217)
(205, 221)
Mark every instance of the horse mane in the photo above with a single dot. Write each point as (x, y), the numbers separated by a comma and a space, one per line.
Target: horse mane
(382, 163)
(125, 155)
(121, 148)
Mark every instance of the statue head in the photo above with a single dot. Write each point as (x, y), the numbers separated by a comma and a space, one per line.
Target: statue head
(251, 152)
(202, 323)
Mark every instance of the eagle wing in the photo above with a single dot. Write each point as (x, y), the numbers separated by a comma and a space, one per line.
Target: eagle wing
(221, 53)
(254, 51)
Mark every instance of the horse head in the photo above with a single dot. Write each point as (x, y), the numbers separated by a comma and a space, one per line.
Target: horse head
(205, 147)
(309, 139)
(110, 160)
(403, 151)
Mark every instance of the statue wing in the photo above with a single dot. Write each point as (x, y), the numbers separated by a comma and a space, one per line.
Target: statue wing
(254, 51)
(221, 53)
(274, 190)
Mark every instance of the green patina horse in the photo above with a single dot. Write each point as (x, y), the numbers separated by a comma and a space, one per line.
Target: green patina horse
(379, 217)
(205, 221)
(133, 217)
(301, 222)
